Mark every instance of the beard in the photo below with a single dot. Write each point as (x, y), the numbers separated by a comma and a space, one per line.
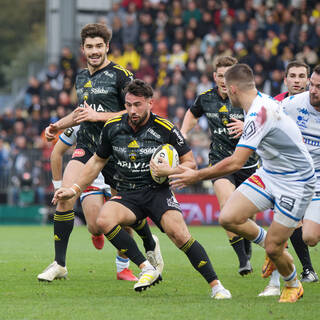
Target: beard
(314, 101)
(137, 122)
(96, 66)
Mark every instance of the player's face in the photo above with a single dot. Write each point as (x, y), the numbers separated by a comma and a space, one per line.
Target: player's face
(296, 80)
(219, 79)
(314, 91)
(95, 51)
(138, 109)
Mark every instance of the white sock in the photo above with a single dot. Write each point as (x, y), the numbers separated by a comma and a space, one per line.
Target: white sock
(259, 240)
(291, 279)
(275, 279)
(217, 287)
(122, 263)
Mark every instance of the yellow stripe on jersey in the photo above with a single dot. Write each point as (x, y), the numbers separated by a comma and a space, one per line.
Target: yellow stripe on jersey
(163, 124)
(114, 119)
(170, 124)
(127, 72)
(204, 92)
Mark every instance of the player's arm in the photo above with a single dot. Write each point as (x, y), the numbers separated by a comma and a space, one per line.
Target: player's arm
(65, 122)
(189, 122)
(86, 176)
(86, 113)
(226, 166)
(56, 158)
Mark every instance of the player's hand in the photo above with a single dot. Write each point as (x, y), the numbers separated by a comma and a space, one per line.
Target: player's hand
(85, 113)
(181, 180)
(161, 169)
(51, 131)
(235, 128)
(62, 194)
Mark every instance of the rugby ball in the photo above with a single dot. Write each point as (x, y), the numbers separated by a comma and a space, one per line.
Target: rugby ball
(170, 154)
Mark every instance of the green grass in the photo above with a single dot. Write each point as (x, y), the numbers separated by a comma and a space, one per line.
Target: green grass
(91, 291)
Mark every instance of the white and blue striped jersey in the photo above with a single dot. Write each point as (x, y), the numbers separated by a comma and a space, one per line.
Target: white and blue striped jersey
(277, 140)
(307, 118)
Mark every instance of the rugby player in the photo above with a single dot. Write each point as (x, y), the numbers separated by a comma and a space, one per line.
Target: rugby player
(217, 108)
(285, 181)
(131, 140)
(100, 94)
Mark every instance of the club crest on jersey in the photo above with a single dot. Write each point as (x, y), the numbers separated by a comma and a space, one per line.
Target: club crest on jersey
(257, 180)
(133, 156)
(303, 117)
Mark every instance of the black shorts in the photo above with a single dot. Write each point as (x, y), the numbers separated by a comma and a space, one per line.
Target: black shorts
(83, 155)
(238, 177)
(149, 202)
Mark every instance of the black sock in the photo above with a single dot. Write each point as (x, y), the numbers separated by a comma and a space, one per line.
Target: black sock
(301, 249)
(237, 244)
(143, 230)
(199, 259)
(247, 248)
(125, 244)
(63, 225)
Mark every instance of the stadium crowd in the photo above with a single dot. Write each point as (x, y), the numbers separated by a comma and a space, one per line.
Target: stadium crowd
(171, 45)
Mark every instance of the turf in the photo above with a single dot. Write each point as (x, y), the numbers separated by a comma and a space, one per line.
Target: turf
(92, 292)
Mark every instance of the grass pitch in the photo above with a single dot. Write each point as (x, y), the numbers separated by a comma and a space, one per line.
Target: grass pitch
(92, 291)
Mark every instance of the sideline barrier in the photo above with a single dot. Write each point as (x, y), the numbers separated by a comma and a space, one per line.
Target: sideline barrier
(10, 215)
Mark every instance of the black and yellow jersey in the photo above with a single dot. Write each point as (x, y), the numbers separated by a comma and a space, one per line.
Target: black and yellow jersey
(103, 91)
(219, 112)
(131, 151)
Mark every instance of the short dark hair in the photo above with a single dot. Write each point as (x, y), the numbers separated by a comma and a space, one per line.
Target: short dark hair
(93, 30)
(317, 69)
(296, 63)
(242, 75)
(225, 61)
(139, 88)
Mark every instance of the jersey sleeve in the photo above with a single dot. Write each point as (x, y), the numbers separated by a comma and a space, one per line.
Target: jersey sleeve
(124, 76)
(69, 136)
(287, 106)
(254, 130)
(104, 149)
(196, 109)
(177, 140)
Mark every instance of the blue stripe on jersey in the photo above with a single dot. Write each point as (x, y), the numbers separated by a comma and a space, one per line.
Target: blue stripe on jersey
(64, 141)
(310, 135)
(245, 146)
(258, 190)
(306, 179)
(282, 173)
(315, 199)
(286, 214)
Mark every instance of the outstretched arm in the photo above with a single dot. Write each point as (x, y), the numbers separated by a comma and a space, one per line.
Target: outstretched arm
(85, 177)
(226, 166)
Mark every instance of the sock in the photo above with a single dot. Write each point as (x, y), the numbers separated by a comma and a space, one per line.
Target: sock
(63, 225)
(122, 263)
(301, 249)
(125, 244)
(199, 259)
(143, 230)
(237, 244)
(247, 248)
(275, 279)
(291, 279)
(259, 240)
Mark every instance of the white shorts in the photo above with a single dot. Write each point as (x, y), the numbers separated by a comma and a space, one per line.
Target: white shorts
(289, 199)
(98, 186)
(313, 210)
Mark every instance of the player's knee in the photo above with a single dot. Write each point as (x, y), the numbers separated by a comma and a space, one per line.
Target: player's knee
(178, 237)
(310, 239)
(225, 221)
(103, 224)
(272, 250)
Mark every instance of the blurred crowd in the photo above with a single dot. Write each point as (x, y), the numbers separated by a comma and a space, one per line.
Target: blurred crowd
(173, 46)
